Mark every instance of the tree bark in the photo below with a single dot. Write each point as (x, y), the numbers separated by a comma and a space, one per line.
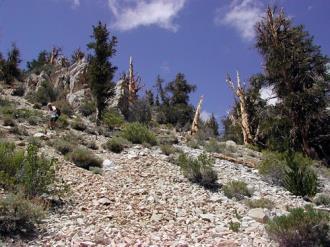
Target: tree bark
(195, 123)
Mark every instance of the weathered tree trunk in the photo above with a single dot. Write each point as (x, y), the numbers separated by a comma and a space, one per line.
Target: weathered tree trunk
(195, 123)
(54, 55)
(247, 136)
(132, 87)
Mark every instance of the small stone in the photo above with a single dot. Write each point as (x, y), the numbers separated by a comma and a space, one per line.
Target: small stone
(207, 217)
(104, 201)
(108, 165)
(156, 217)
(258, 214)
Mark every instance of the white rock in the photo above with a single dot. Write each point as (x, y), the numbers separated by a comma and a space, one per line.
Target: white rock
(258, 214)
(207, 217)
(108, 165)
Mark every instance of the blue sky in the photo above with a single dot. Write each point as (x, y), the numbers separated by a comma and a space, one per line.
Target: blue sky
(204, 39)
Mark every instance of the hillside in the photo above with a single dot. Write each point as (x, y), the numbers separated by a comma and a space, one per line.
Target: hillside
(142, 199)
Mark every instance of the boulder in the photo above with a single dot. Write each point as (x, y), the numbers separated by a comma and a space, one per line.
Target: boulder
(258, 215)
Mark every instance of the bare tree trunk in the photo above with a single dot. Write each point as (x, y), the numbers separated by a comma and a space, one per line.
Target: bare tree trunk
(132, 87)
(245, 124)
(98, 117)
(195, 123)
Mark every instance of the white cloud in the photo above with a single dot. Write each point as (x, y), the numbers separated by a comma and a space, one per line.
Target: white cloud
(241, 15)
(268, 94)
(130, 14)
(205, 115)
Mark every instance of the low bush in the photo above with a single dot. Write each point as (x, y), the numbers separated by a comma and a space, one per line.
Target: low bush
(45, 94)
(35, 141)
(234, 226)
(322, 199)
(112, 119)
(63, 146)
(62, 122)
(18, 214)
(116, 144)
(96, 170)
(293, 171)
(64, 106)
(25, 171)
(9, 121)
(199, 170)
(260, 203)
(236, 189)
(138, 133)
(87, 108)
(194, 143)
(300, 228)
(78, 124)
(167, 149)
(213, 146)
(84, 158)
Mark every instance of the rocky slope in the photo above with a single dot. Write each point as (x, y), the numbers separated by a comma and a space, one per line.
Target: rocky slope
(142, 199)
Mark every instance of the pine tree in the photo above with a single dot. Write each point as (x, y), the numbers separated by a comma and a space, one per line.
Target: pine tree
(9, 68)
(296, 69)
(36, 65)
(213, 125)
(150, 97)
(100, 69)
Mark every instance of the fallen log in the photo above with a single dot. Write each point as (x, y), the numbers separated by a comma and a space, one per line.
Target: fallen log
(249, 163)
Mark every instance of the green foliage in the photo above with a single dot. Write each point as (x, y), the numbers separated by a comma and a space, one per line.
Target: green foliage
(213, 146)
(199, 170)
(293, 171)
(87, 108)
(36, 66)
(322, 199)
(113, 119)
(9, 68)
(45, 94)
(78, 124)
(18, 214)
(64, 106)
(63, 146)
(62, 122)
(167, 149)
(138, 133)
(175, 108)
(100, 71)
(236, 189)
(117, 144)
(232, 130)
(300, 228)
(296, 69)
(260, 203)
(84, 158)
(28, 172)
(213, 125)
(234, 226)
(96, 170)
(140, 111)
(9, 121)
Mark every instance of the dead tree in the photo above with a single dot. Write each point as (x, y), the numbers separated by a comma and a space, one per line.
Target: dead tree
(195, 124)
(245, 124)
(54, 54)
(134, 83)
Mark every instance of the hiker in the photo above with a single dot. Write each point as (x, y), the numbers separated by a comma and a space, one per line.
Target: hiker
(54, 115)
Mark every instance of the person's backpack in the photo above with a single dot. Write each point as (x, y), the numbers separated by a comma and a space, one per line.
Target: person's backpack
(58, 111)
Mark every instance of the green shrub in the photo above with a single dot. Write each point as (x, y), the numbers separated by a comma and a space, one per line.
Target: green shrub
(18, 214)
(322, 199)
(78, 124)
(64, 106)
(45, 94)
(300, 228)
(199, 170)
(260, 203)
(293, 171)
(116, 144)
(112, 119)
(234, 226)
(138, 133)
(84, 158)
(62, 122)
(34, 141)
(96, 170)
(236, 189)
(299, 178)
(87, 108)
(213, 146)
(9, 121)
(28, 172)
(167, 149)
(193, 143)
(63, 146)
